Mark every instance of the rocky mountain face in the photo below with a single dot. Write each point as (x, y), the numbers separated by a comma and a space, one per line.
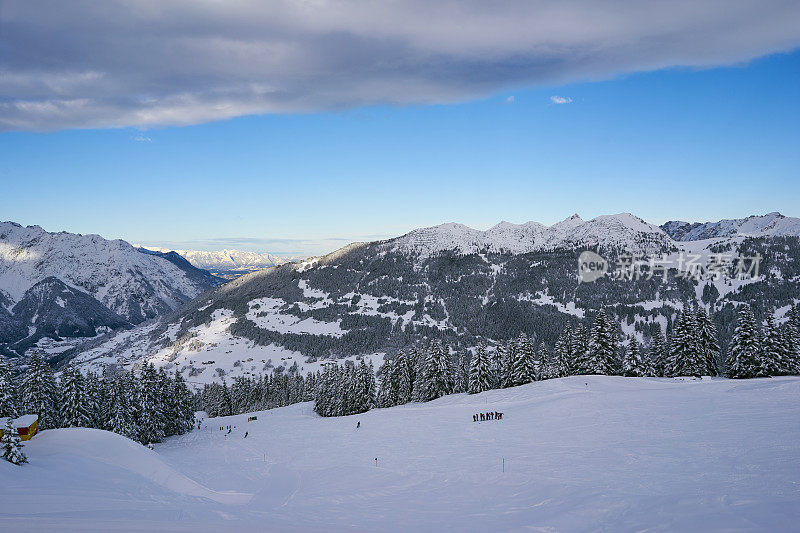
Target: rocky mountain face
(66, 285)
(456, 284)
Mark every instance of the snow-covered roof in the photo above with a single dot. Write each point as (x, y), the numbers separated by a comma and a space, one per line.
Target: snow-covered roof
(24, 421)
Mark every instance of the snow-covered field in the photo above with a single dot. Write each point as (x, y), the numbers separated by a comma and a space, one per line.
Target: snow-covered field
(623, 454)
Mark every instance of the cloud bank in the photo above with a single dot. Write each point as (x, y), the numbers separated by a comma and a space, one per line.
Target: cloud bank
(86, 64)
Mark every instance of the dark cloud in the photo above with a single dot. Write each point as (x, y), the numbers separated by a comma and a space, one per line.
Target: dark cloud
(146, 63)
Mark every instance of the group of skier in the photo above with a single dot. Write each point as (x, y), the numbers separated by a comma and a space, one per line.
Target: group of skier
(491, 415)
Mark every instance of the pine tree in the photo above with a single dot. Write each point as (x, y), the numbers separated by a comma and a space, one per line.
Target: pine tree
(480, 372)
(580, 351)
(658, 354)
(444, 377)
(563, 349)
(8, 393)
(527, 353)
(603, 346)
(40, 393)
(74, 412)
(426, 384)
(791, 335)
(121, 414)
(152, 419)
(403, 378)
(744, 358)
(521, 365)
(366, 387)
(94, 400)
(708, 341)
(462, 374)
(387, 390)
(11, 445)
(686, 356)
(633, 364)
(773, 358)
(500, 366)
(558, 363)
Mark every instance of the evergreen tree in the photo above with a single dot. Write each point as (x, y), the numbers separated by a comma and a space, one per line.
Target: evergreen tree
(558, 366)
(708, 341)
(686, 356)
(11, 445)
(121, 414)
(521, 365)
(500, 366)
(425, 386)
(480, 372)
(527, 354)
(658, 354)
(366, 387)
(791, 336)
(152, 418)
(387, 391)
(8, 393)
(744, 357)
(580, 351)
(74, 412)
(633, 364)
(773, 357)
(462, 374)
(40, 393)
(94, 400)
(404, 378)
(563, 350)
(603, 346)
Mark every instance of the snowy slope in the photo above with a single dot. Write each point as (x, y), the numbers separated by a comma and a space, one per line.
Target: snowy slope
(772, 224)
(133, 285)
(204, 350)
(229, 262)
(624, 454)
(622, 231)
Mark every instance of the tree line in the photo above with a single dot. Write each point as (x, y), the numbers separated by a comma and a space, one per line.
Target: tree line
(146, 406)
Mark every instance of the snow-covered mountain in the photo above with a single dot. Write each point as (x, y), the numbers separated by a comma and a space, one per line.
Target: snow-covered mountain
(772, 224)
(622, 230)
(448, 282)
(100, 282)
(228, 263)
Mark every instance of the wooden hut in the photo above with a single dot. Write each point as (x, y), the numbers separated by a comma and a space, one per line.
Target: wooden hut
(26, 426)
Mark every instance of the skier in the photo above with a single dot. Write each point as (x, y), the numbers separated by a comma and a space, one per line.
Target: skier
(245, 434)
(482, 417)
(358, 425)
(474, 418)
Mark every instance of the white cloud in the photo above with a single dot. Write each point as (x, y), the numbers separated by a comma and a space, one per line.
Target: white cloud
(561, 99)
(149, 62)
(142, 139)
(510, 100)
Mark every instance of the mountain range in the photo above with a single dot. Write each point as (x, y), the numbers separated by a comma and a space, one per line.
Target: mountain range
(64, 285)
(461, 286)
(228, 264)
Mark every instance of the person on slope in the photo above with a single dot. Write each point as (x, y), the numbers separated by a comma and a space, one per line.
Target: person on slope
(245, 434)
(358, 425)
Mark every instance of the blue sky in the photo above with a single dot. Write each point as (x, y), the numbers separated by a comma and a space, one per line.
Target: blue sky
(679, 143)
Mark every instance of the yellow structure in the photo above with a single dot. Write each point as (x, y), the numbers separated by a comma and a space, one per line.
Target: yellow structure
(26, 426)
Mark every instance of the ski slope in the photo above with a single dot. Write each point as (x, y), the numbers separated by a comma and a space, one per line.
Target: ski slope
(623, 454)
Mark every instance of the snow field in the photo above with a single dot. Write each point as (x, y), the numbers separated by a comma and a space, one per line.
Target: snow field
(626, 454)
